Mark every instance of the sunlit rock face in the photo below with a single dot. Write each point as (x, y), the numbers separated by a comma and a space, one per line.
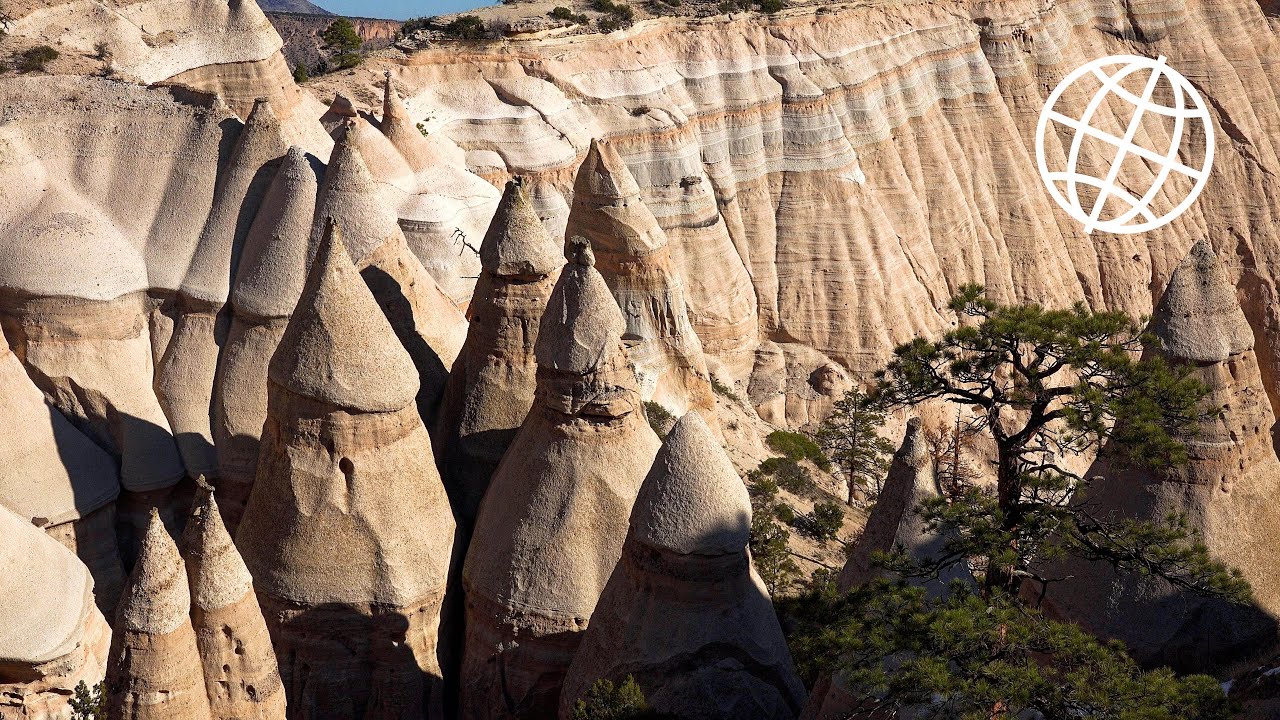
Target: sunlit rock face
(1223, 492)
(347, 532)
(685, 589)
(552, 524)
(832, 177)
(53, 637)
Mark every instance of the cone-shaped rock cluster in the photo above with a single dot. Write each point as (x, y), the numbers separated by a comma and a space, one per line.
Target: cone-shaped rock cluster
(636, 263)
(272, 270)
(685, 589)
(347, 531)
(53, 637)
(551, 528)
(493, 382)
(240, 674)
(1226, 491)
(154, 670)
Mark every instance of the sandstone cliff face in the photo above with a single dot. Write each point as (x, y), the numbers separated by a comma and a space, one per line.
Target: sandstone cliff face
(551, 527)
(53, 636)
(1224, 492)
(859, 164)
(684, 612)
(347, 531)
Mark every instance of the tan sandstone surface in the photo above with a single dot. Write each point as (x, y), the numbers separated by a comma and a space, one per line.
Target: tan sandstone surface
(53, 636)
(684, 612)
(1224, 491)
(552, 524)
(348, 532)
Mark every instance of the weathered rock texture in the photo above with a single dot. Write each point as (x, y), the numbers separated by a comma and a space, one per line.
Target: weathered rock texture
(269, 280)
(492, 385)
(551, 528)
(855, 164)
(56, 478)
(154, 668)
(52, 636)
(1224, 491)
(241, 678)
(347, 531)
(632, 255)
(427, 323)
(684, 612)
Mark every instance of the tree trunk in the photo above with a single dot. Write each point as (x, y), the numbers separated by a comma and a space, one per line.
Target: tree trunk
(1008, 491)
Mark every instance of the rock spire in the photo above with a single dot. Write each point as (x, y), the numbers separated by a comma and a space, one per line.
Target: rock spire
(1225, 491)
(240, 674)
(635, 261)
(428, 324)
(493, 382)
(685, 588)
(551, 528)
(347, 531)
(53, 637)
(154, 669)
(269, 280)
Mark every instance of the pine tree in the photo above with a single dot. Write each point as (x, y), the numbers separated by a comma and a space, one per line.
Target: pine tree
(341, 37)
(850, 436)
(1046, 385)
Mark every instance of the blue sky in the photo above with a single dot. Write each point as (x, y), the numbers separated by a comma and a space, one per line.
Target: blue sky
(399, 9)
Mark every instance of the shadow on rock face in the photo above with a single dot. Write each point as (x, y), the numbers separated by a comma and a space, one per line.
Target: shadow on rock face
(432, 373)
(341, 664)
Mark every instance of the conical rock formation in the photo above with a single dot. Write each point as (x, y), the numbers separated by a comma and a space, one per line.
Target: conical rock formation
(492, 384)
(428, 324)
(271, 273)
(551, 528)
(685, 588)
(636, 263)
(1226, 491)
(52, 636)
(895, 523)
(154, 669)
(186, 372)
(347, 531)
(240, 674)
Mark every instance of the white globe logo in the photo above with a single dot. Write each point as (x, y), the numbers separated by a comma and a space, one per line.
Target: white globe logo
(1177, 173)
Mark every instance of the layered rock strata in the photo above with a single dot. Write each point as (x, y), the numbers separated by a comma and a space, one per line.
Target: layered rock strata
(493, 382)
(426, 321)
(347, 531)
(271, 273)
(241, 677)
(632, 255)
(684, 612)
(1223, 491)
(154, 668)
(56, 478)
(53, 636)
(551, 528)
